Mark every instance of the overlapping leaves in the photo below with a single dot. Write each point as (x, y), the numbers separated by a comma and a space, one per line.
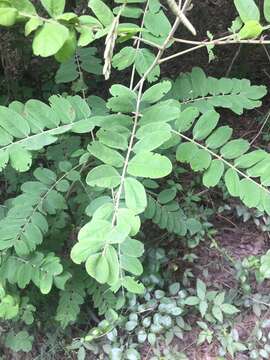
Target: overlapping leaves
(25, 223)
(31, 127)
(246, 173)
(207, 93)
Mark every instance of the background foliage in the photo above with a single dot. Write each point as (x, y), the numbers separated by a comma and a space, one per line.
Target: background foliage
(94, 202)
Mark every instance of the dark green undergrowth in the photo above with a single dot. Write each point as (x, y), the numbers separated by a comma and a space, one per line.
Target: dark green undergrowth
(118, 185)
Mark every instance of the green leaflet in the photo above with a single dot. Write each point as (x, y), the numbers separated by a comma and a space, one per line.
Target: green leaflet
(123, 100)
(24, 6)
(143, 61)
(132, 247)
(102, 12)
(156, 92)
(127, 217)
(8, 16)
(49, 39)
(186, 151)
(251, 30)
(130, 12)
(167, 195)
(232, 182)
(186, 119)
(247, 10)
(105, 154)
(133, 286)
(113, 138)
(131, 264)
(68, 49)
(152, 141)
(54, 7)
(201, 160)
(205, 125)
(103, 176)
(219, 137)
(250, 193)
(149, 165)
(164, 111)
(250, 159)
(234, 149)
(124, 58)
(135, 195)
(213, 175)
(97, 266)
(20, 158)
(266, 10)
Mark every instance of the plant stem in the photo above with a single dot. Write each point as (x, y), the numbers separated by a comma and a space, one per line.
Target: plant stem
(227, 40)
(163, 47)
